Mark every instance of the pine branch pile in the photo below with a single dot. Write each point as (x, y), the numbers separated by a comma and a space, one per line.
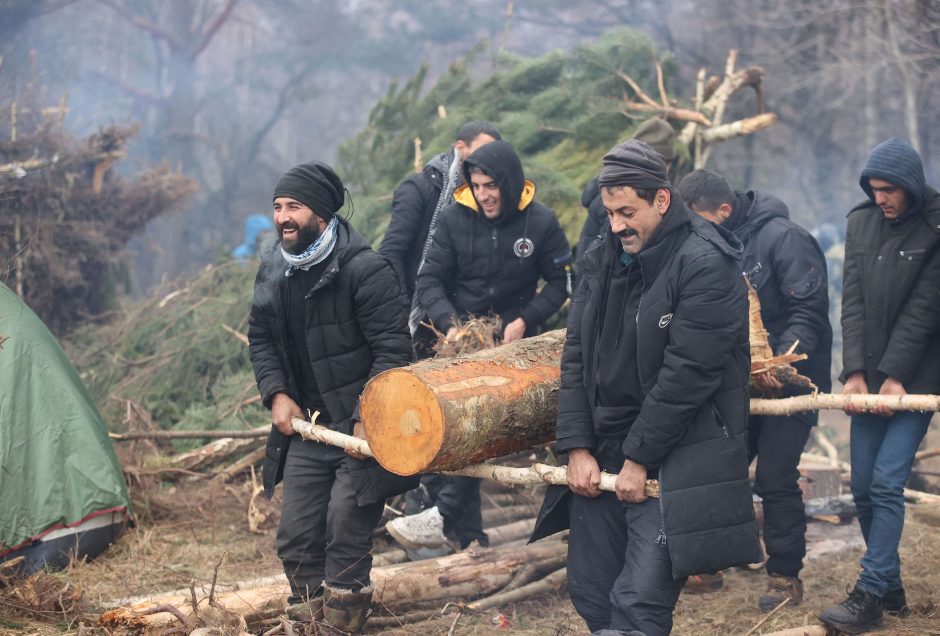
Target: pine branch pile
(66, 216)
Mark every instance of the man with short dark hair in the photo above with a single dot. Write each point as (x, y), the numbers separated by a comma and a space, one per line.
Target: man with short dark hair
(326, 316)
(653, 385)
(891, 346)
(416, 207)
(785, 265)
(490, 250)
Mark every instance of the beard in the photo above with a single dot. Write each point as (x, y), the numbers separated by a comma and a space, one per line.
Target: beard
(306, 236)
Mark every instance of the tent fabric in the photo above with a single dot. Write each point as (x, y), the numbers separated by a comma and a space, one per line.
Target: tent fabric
(57, 464)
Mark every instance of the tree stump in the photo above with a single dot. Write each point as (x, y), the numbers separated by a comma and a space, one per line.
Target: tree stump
(444, 414)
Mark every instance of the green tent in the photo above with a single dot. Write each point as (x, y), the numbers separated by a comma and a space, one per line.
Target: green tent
(61, 487)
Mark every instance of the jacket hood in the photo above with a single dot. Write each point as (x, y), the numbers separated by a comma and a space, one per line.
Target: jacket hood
(895, 161)
(464, 196)
(753, 209)
(440, 162)
(499, 160)
(590, 192)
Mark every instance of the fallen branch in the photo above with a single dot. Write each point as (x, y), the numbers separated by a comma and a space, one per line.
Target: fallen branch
(926, 453)
(808, 630)
(534, 475)
(739, 128)
(768, 616)
(255, 433)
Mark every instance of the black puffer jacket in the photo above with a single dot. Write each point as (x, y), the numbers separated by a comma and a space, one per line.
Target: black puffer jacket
(357, 329)
(693, 364)
(413, 205)
(475, 265)
(788, 269)
(891, 297)
(595, 223)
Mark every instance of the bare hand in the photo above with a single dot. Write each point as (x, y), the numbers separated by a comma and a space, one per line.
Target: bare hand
(631, 482)
(889, 387)
(283, 410)
(767, 381)
(855, 385)
(358, 431)
(583, 473)
(514, 330)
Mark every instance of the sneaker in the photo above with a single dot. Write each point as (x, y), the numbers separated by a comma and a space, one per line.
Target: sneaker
(857, 614)
(779, 589)
(895, 602)
(423, 530)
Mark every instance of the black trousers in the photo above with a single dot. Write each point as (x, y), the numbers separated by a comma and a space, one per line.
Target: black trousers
(777, 442)
(619, 578)
(324, 535)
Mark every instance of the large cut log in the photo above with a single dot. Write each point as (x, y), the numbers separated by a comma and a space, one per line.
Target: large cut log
(446, 413)
(465, 575)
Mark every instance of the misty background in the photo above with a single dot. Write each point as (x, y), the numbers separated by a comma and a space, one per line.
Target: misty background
(232, 93)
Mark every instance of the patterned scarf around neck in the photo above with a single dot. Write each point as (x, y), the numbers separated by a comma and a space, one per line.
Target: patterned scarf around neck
(315, 253)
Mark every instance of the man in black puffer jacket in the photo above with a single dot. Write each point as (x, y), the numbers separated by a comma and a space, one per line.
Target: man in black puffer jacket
(654, 380)
(490, 250)
(787, 268)
(326, 316)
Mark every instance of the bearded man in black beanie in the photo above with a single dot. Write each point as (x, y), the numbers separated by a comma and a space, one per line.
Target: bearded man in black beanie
(654, 380)
(326, 316)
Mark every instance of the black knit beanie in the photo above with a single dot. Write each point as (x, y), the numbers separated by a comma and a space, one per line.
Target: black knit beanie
(315, 185)
(634, 163)
(895, 161)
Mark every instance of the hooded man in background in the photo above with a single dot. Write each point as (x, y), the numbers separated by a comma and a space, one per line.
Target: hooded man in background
(654, 381)
(327, 315)
(490, 250)
(416, 207)
(890, 346)
(787, 268)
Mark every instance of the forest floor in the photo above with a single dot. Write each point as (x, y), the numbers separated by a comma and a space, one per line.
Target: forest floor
(185, 528)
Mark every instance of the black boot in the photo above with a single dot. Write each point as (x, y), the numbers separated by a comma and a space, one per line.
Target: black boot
(895, 602)
(857, 614)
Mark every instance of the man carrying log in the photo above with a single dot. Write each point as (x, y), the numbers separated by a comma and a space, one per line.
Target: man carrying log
(659, 134)
(786, 266)
(654, 380)
(416, 208)
(891, 346)
(490, 250)
(327, 315)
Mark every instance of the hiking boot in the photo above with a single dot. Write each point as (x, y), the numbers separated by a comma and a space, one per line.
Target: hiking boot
(779, 589)
(306, 615)
(857, 614)
(895, 602)
(702, 583)
(424, 530)
(345, 611)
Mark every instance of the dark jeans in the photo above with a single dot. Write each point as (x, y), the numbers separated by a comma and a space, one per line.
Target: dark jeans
(619, 578)
(882, 456)
(458, 501)
(777, 442)
(324, 535)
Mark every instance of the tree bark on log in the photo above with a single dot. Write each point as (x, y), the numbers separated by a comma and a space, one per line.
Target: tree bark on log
(447, 413)
(465, 575)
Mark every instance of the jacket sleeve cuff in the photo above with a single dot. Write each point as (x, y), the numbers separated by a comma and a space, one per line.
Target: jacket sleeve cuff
(531, 317)
(565, 444)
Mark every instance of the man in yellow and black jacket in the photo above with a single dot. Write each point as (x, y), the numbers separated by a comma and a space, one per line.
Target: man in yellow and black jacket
(492, 246)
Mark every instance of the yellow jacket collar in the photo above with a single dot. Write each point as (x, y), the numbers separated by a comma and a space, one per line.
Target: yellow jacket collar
(464, 196)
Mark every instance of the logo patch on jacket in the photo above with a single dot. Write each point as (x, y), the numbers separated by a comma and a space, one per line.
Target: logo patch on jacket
(523, 247)
(664, 320)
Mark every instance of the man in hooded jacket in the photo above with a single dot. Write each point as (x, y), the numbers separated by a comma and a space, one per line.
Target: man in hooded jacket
(492, 246)
(787, 268)
(416, 207)
(327, 315)
(654, 381)
(890, 346)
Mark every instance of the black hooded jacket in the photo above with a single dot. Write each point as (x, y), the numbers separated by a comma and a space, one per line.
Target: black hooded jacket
(413, 205)
(788, 269)
(356, 329)
(478, 266)
(692, 365)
